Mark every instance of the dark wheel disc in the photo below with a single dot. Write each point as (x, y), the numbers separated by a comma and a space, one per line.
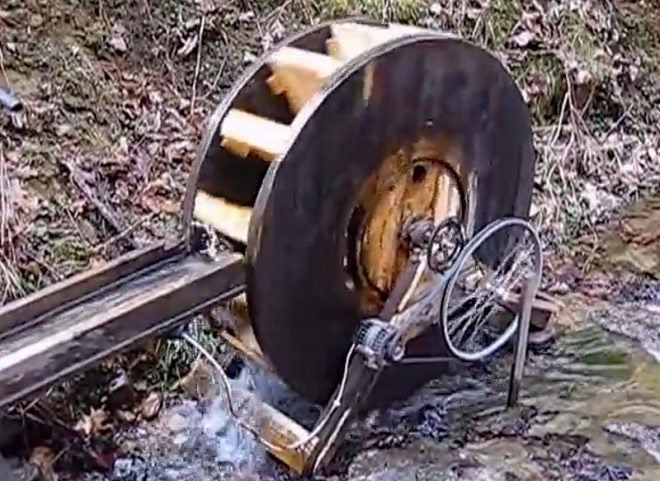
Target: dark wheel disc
(304, 297)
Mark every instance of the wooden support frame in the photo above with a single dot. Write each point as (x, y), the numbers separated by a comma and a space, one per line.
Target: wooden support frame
(350, 39)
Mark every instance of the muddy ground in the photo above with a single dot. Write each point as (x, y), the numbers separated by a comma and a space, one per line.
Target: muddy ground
(115, 96)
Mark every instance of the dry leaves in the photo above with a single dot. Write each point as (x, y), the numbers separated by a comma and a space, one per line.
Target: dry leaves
(116, 40)
(199, 383)
(92, 423)
(43, 459)
(151, 405)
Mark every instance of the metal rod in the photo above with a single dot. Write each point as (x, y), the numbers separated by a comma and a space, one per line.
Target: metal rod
(529, 291)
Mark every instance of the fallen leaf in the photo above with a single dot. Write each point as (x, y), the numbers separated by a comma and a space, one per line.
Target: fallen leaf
(246, 16)
(43, 459)
(92, 423)
(151, 405)
(152, 203)
(523, 39)
(126, 416)
(103, 459)
(170, 207)
(116, 40)
(199, 383)
(583, 77)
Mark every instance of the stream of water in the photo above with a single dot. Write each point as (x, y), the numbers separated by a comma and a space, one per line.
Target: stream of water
(589, 411)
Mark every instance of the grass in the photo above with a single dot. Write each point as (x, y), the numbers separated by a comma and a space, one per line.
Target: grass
(405, 11)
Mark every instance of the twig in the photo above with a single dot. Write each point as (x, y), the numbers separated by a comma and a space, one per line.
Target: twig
(200, 38)
(221, 70)
(122, 234)
(103, 209)
(3, 197)
(2, 69)
(50, 269)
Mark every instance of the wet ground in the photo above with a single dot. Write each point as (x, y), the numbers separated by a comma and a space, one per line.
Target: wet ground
(590, 404)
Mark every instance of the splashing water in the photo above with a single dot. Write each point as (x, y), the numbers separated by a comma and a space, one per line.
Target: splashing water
(201, 441)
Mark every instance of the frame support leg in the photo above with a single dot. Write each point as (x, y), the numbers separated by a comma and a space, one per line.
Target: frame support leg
(529, 292)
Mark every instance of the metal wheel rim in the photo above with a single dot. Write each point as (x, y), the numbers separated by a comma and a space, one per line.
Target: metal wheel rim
(470, 248)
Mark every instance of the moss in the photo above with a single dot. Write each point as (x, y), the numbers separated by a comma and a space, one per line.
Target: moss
(404, 11)
(546, 106)
(70, 251)
(578, 38)
(503, 17)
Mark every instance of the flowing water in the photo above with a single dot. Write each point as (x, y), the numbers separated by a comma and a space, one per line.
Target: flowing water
(589, 411)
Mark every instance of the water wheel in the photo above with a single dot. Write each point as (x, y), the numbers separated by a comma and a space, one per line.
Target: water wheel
(318, 156)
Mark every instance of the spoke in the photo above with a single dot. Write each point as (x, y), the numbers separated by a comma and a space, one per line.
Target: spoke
(488, 291)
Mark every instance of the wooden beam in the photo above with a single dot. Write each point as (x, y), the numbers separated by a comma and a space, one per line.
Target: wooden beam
(243, 132)
(299, 74)
(275, 430)
(142, 303)
(448, 198)
(229, 219)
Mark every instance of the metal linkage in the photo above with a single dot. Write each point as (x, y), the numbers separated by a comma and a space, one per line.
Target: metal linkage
(521, 341)
(442, 250)
(379, 342)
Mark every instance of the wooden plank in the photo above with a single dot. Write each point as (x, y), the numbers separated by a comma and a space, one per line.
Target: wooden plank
(299, 74)
(448, 197)
(143, 304)
(542, 302)
(243, 132)
(276, 431)
(26, 311)
(229, 219)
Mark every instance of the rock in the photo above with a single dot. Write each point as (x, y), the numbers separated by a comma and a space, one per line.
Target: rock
(435, 9)
(176, 422)
(116, 40)
(537, 338)
(645, 436)
(36, 20)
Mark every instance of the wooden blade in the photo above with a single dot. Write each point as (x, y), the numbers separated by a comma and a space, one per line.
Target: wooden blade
(351, 39)
(299, 74)
(229, 219)
(243, 132)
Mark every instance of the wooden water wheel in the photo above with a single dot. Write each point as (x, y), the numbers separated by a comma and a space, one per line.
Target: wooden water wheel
(321, 153)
